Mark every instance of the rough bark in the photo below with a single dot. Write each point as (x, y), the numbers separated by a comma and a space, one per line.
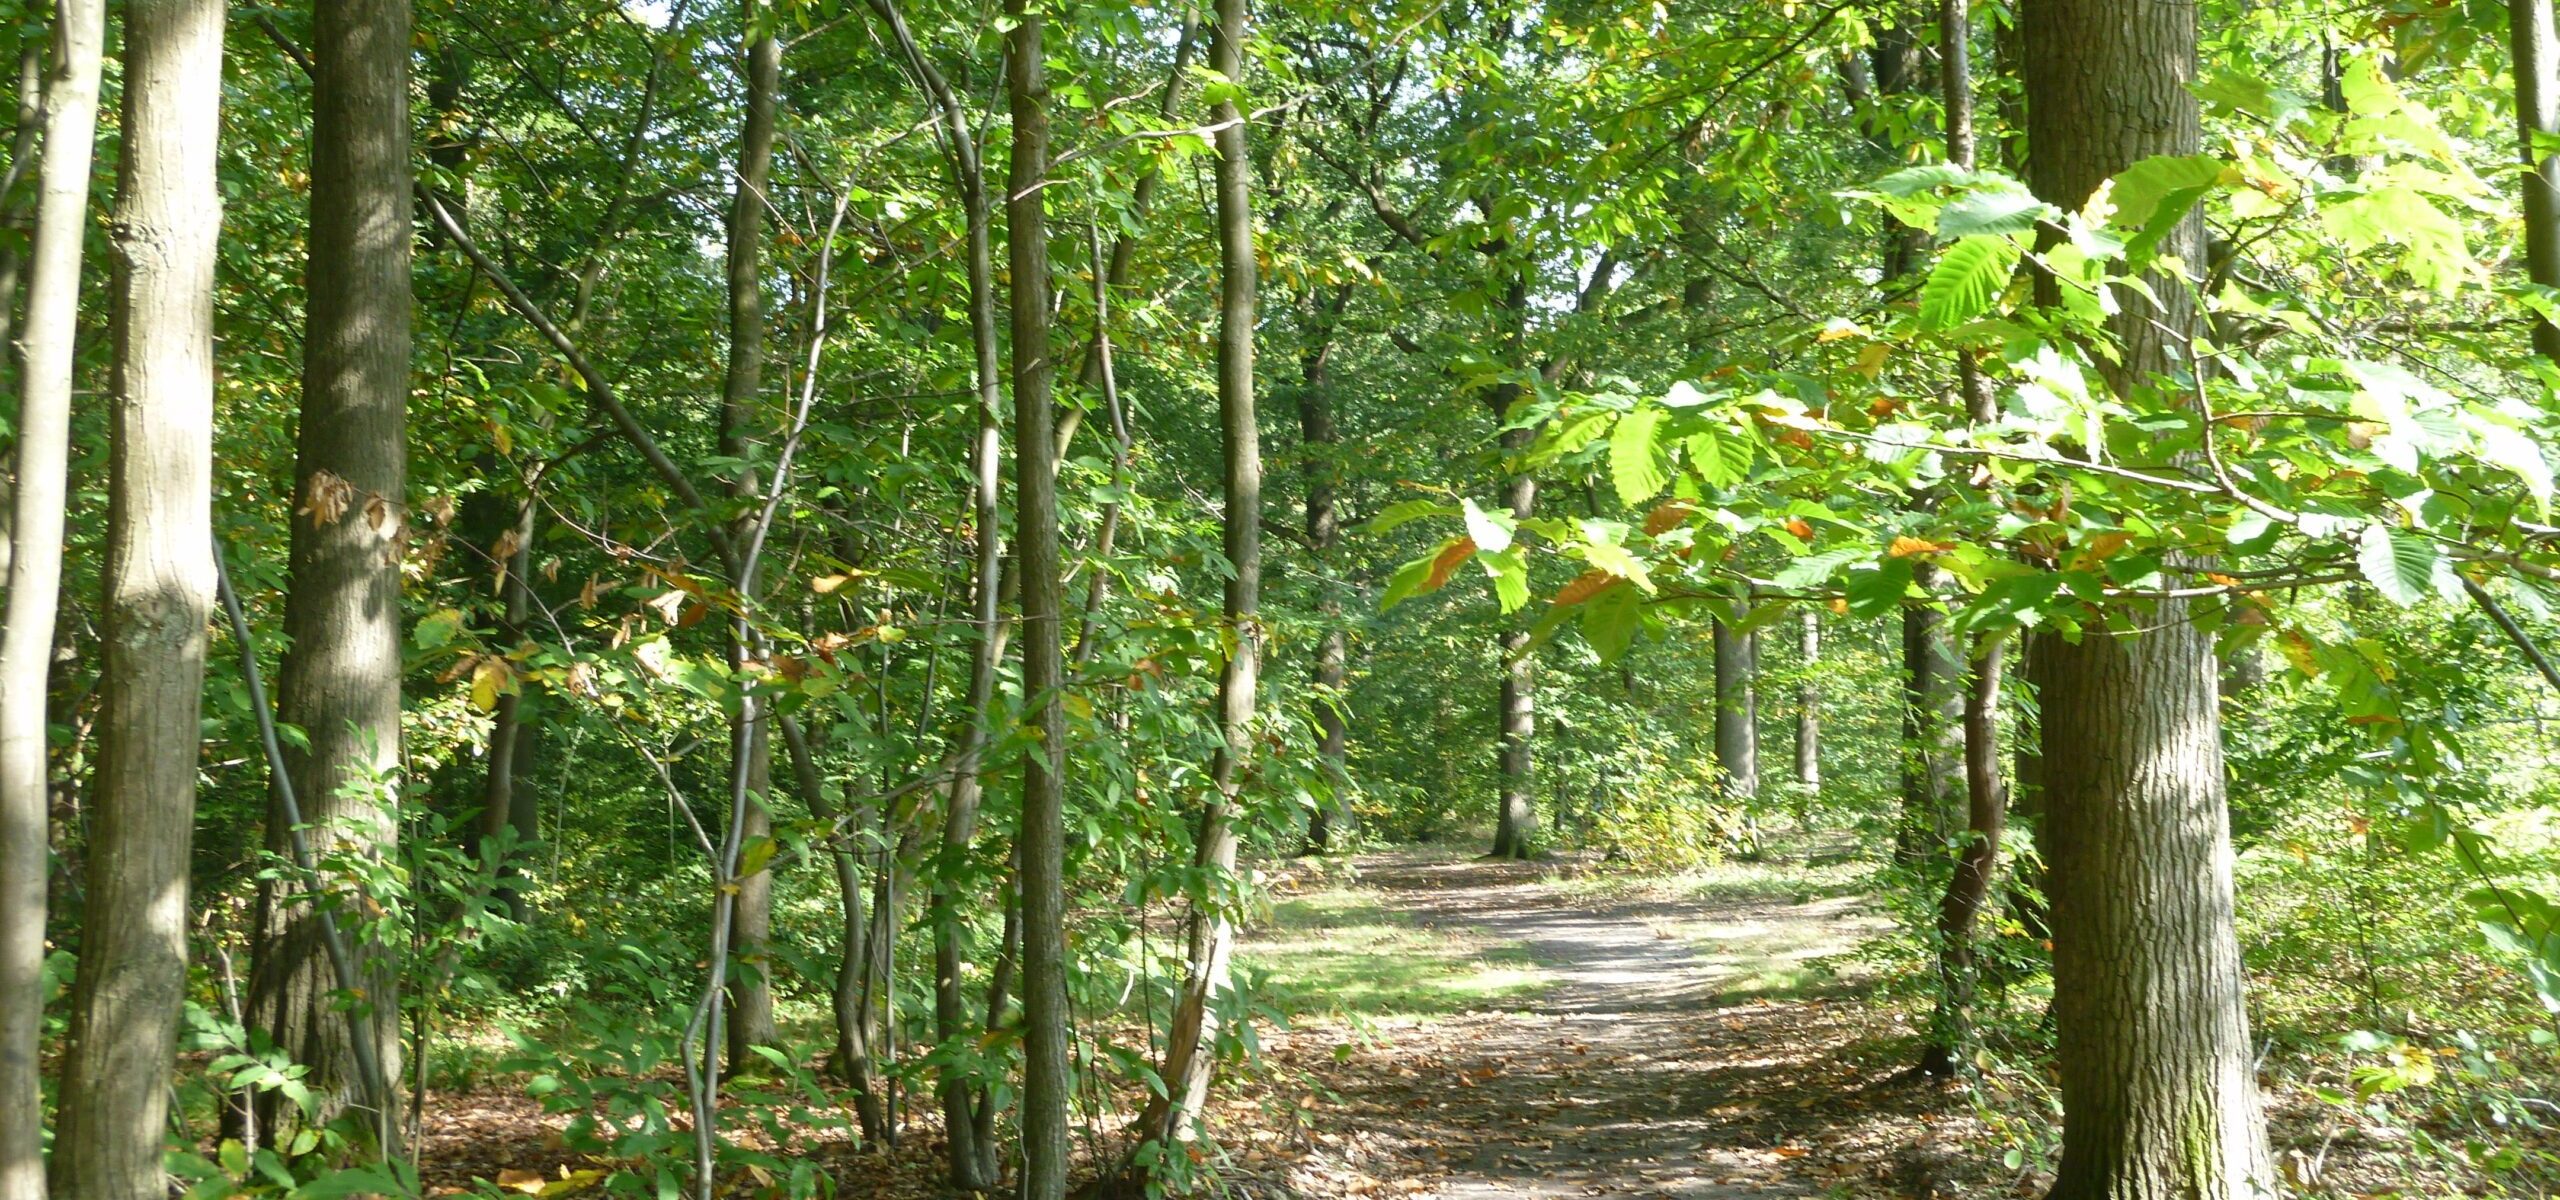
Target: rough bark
(36, 503)
(1932, 733)
(1041, 842)
(2152, 1040)
(340, 679)
(1210, 931)
(159, 586)
(1515, 707)
(1986, 811)
(1737, 725)
(750, 1015)
(2537, 70)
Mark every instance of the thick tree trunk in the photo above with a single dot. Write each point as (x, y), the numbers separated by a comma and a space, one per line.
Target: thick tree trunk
(340, 681)
(1190, 1043)
(37, 501)
(159, 584)
(1809, 704)
(1737, 728)
(2159, 1096)
(1042, 840)
(2537, 71)
(750, 1003)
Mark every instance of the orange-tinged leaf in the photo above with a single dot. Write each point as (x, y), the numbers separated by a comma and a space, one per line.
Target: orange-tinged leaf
(1667, 517)
(1803, 529)
(1905, 547)
(1871, 361)
(1448, 563)
(1585, 586)
(2104, 546)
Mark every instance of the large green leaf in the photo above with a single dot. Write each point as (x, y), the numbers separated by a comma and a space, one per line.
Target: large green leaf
(1636, 464)
(1994, 210)
(1967, 278)
(2144, 190)
(2401, 565)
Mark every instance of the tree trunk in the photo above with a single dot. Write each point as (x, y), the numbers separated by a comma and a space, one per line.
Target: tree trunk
(1190, 1043)
(1737, 711)
(1809, 704)
(2152, 1038)
(1321, 446)
(1042, 840)
(1986, 810)
(750, 1018)
(340, 680)
(159, 586)
(2537, 71)
(36, 504)
(1932, 731)
(1515, 708)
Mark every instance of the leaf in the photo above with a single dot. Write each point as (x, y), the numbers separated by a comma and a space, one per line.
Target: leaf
(1816, 570)
(1667, 517)
(2142, 191)
(2400, 566)
(1610, 622)
(1447, 562)
(1490, 531)
(1510, 575)
(490, 677)
(1636, 464)
(1614, 558)
(1993, 210)
(437, 629)
(1966, 280)
(1408, 510)
(1584, 586)
(756, 855)
(1877, 591)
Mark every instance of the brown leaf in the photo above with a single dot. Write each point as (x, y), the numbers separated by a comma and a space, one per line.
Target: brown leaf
(325, 497)
(1668, 517)
(1585, 586)
(1448, 563)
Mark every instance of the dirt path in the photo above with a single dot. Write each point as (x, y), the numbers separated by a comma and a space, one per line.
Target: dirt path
(1680, 1048)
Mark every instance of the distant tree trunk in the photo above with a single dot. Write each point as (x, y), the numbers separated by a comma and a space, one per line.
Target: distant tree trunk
(159, 585)
(1809, 703)
(1737, 726)
(972, 1158)
(22, 154)
(2537, 70)
(1932, 706)
(1322, 442)
(2159, 1096)
(750, 1021)
(340, 680)
(1190, 1042)
(1516, 705)
(1042, 840)
(36, 503)
(505, 805)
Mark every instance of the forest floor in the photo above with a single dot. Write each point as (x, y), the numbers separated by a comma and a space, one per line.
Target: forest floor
(1469, 1029)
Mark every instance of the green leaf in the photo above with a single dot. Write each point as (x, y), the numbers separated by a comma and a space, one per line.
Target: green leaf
(1610, 621)
(1614, 558)
(2401, 566)
(1408, 510)
(2001, 210)
(1966, 280)
(1510, 578)
(1815, 570)
(2144, 190)
(1635, 456)
(437, 629)
(1879, 590)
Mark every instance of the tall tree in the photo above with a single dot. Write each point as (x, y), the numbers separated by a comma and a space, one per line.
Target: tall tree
(2536, 50)
(1210, 934)
(1809, 702)
(37, 499)
(750, 1020)
(159, 586)
(1320, 450)
(340, 679)
(1040, 850)
(2159, 1093)
(1737, 720)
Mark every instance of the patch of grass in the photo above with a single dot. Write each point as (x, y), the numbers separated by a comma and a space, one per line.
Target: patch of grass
(1341, 953)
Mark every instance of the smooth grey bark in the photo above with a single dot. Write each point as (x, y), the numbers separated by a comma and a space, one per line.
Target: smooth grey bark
(1737, 724)
(1932, 729)
(2152, 1035)
(36, 504)
(159, 588)
(340, 677)
(2536, 51)
(750, 1007)
(1210, 930)
(1041, 843)
(1515, 705)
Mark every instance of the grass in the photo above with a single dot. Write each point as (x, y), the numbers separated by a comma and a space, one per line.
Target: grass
(1339, 953)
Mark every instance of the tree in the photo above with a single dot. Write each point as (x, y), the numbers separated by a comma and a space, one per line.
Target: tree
(159, 587)
(1040, 846)
(38, 499)
(2535, 49)
(1737, 721)
(751, 991)
(2152, 1034)
(340, 678)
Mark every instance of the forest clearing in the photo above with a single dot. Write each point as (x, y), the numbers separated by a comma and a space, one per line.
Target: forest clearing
(783, 599)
